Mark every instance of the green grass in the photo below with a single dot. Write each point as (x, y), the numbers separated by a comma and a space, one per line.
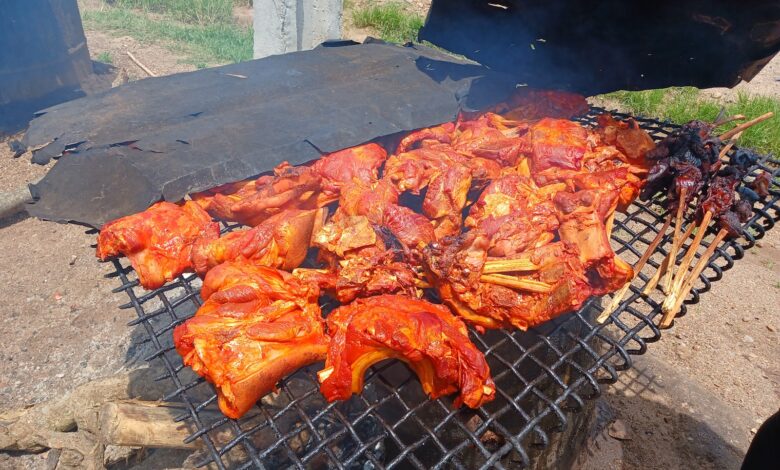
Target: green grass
(200, 43)
(105, 57)
(201, 12)
(391, 22)
(681, 105)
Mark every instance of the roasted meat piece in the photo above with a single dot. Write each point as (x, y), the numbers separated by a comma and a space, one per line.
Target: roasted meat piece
(158, 241)
(427, 337)
(442, 134)
(280, 241)
(362, 259)
(582, 218)
(492, 137)
(289, 188)
(557, 143)
(761, 184)
(257, 326)
(515, 214)
(447, 174)
(299, 187)
(531, 104)
(626, 136)
(456, 267)
(370, 200)
(617, 179)
(359, 163)
(691, 154)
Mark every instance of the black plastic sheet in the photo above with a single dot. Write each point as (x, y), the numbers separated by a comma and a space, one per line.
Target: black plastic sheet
(597, 46)
(163, 138)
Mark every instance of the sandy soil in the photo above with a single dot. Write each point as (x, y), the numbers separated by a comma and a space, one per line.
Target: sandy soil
(690, 402)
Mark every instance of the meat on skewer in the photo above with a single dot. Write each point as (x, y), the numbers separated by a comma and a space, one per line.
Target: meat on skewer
(717, 204)
(427, 337)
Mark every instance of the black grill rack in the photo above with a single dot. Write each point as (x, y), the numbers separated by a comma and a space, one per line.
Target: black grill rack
(543, 377)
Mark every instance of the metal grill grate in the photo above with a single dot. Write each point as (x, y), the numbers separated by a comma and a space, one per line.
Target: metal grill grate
(543, 377)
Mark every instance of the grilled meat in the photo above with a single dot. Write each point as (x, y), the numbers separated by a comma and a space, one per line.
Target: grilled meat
(456, 266)
(299, 187)
(158, 241)
(280, 242)
(427, 337)
(529, 104)
(761, 184)
(257, 326)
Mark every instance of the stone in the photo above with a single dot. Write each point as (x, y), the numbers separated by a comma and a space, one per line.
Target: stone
(618, 430)
(747, 339)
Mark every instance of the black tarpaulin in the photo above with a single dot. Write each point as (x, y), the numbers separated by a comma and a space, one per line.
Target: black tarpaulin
(163, 138)
(597, 46)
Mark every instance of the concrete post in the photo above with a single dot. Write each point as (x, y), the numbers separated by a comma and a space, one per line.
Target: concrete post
(294, 25)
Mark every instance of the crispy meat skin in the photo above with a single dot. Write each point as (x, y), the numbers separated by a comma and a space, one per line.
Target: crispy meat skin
(557, 143)
(257, 326)
(280, 241)
(158, 241)
(300, 187)
(427, 337)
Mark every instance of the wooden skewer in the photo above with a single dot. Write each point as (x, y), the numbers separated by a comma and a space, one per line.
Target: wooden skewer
(732, 132)
(665, 264)
(668, 317)
(736, 117)
(515, 283)
(728, 146)
(618, 297)
(507, 265)
(686, 262)
(681, 206)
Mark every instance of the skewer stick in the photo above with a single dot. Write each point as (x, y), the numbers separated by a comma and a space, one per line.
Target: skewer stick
(736, 117)
(686, 262)
(666, 321)
(515, 283)
(731, 133)
(507, 265)
(681, 206)
(728, 146)
(618, 297)
(665, 265)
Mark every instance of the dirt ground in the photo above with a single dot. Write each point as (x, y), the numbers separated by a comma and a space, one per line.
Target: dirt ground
(693, 401)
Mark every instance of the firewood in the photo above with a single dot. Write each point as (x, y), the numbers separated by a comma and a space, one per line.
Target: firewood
(148, 424)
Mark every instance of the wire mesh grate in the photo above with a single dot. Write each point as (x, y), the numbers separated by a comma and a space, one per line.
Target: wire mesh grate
(543, 377)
